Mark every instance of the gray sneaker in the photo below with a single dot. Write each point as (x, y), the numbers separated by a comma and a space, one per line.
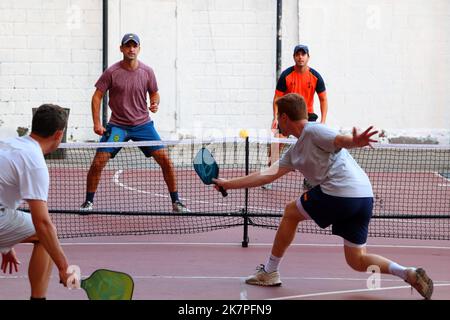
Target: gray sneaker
(419, 280)
(263, 278)
(179, 207)
(87, 206)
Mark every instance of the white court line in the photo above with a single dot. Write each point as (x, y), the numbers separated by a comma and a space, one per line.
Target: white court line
(175, 277)
(348, 291)
(406, 187)
(120, 184)
(116, 180)
(236, 244)
(442, 282)
(118, 173)
(243, 291)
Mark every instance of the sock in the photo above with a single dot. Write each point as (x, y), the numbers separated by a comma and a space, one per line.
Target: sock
(38, 299)
(398, 270)
(174, 196)
(272, 264)
(90, 196)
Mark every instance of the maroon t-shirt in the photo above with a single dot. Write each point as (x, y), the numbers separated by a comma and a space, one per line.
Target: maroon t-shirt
(128, 93)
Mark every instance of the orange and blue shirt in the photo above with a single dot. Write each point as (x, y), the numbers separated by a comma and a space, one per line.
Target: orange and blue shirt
(305, 84)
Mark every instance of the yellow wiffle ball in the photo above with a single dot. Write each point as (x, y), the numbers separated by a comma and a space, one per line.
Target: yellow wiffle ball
(243, 133)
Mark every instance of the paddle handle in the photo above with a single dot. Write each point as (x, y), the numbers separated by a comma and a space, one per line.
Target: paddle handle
(74, 280)
(223, 191)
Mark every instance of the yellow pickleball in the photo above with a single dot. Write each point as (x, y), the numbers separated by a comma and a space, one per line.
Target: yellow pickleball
(243, 133)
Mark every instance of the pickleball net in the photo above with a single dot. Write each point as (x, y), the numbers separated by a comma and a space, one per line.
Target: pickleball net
(411, 184)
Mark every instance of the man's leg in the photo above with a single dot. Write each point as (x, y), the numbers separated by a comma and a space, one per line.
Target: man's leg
(39, 269)
(113, 133)
(268, 275)
(95, 171)
(161, 156)
(287, 229)
(360, 260)
(93, 177)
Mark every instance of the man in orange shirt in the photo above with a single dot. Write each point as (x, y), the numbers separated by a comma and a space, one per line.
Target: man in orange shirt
(305, 81)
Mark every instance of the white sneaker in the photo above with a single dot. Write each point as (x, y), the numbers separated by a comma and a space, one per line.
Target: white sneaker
(87, 206)
(179, 207)
(419, 280)
(262, 278)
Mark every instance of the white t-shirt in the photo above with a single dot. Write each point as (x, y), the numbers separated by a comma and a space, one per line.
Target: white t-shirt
(23, 172)
(315, 155)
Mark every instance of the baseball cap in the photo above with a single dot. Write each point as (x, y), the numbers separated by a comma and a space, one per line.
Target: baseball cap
(301, 47)
(130, 37)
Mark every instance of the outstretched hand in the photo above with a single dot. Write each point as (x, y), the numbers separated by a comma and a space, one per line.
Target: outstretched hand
(219, 182)
(364, 139)
(10, 260)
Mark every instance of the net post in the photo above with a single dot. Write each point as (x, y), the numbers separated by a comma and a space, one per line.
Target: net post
(105, 60)
(245, 209)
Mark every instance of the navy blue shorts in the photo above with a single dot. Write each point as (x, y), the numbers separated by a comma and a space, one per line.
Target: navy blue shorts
(143, 132)
(349, 217)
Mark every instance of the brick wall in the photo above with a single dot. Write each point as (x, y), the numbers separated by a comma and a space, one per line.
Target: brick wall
(384, 63)
(50, 51)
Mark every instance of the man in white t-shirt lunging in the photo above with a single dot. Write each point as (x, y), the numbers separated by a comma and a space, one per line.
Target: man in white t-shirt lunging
(24, 176)
(342, 196)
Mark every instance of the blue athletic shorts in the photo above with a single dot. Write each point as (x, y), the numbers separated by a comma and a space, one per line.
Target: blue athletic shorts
(349, 217)
(143, 132)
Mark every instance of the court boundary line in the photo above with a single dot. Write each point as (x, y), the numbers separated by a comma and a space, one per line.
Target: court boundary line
(317, 294)
(436, 282)
(243, 293)
(251, 244)
(119, 184)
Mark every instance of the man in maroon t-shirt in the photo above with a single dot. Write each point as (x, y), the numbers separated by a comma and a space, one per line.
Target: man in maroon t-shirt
(128, 82)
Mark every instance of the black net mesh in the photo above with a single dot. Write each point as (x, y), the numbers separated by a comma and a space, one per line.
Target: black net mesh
(411, 186)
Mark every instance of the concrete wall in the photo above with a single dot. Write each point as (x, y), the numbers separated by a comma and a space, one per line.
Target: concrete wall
(384, 62)
(50, 51)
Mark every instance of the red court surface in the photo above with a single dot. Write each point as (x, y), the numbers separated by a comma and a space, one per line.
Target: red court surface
(212, 266)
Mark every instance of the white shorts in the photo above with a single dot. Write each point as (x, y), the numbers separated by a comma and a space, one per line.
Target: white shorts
(15, 226)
